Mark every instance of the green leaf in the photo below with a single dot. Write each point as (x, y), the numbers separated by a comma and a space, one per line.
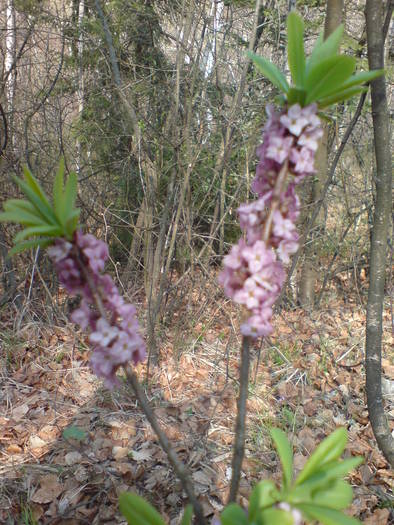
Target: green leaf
(324, 49)
(327, 75)
(21, 217)
(326, 516)
(270, 71)
(276, 517)
(295, 48)
(355, 80)
(362, 78)
(285, 454)
(233, 514)
(340, 96)
(296, 96)
(42, 206)
(322, 479)
(26, 245)
(331, 471)
(338, 496)
(72, 223)
(58, 191)
(20, 204)
(300, 494)
(70, 195)
(328, 450)
(138, 511)
(35, 231)
(33, 183)
(187, 515)
(73, 432)
(263, 495)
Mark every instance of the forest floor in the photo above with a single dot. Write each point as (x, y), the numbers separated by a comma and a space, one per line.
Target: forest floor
(68, 446)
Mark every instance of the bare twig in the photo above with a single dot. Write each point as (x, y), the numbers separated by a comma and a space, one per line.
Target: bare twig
(239, 441)
(176, 463)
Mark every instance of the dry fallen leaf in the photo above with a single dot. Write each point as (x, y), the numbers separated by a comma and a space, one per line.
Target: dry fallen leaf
(50, 489)
(142, 455)
(36, 442)
(19, 412)
(14, 449)
(71, 458)
(379, 517)
(119, 452)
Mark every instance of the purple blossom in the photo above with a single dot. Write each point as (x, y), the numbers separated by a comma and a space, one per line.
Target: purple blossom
(303, 160)
(95, 251)
(258, 256)
(104, 333)
(256, 326)
(115, 332)
(253, 272)
(295, 120)
(310, 138)
(60, 250)
(83, 315)
(251, 294)
(279, 148)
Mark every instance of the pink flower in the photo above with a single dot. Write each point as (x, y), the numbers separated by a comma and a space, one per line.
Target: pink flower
(258, 256)
(303, 160)
(234, 259)
(253, 273)
(116, 338)
(310, 138)
(250, 295)
(286, 248)
(102, 366)
(279, 148)
(69, 275)
(283, 228)
(104, 333)
(82, 315)
(256, 326)
(294, 120)
(60, 250)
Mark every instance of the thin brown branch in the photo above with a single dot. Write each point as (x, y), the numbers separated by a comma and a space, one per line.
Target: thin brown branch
(176, 463)
(239, 441)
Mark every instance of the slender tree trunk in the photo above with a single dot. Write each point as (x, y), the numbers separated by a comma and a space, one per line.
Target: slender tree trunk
(10, 71)
(309, 273)
(81, 83)
(380, 232)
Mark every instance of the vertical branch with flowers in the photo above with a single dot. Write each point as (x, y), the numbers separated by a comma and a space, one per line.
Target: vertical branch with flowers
(253, 275)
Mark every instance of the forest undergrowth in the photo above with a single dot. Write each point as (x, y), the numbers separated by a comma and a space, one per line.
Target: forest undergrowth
(69, 447)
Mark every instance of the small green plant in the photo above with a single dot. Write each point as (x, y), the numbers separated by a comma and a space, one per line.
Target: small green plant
(324, 78)
(318, 493)
(73, 432)
(27, 516)
(43, 221)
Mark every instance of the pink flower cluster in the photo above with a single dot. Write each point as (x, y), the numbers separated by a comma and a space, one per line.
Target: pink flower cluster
(253, 273)
(115, 337)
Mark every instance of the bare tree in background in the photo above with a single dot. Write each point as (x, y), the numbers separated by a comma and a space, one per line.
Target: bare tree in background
(380, 231)
(309, 273)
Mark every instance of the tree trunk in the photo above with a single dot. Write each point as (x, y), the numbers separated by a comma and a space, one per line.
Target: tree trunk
(310, 273)
(81, 83)
(380, 232)
(9, 65)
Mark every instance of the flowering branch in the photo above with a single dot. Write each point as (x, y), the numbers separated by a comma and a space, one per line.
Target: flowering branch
(78, 266)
